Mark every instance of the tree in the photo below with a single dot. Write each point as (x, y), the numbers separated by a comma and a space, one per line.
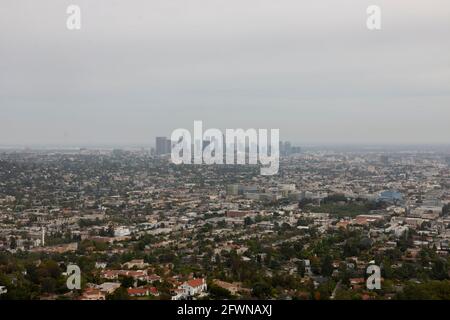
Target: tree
(315, 265)
(335, 198)
(218, 293)
(248, 221)
(327, 266)
(439, 270)
(301, 269)
(432, 290)
(446, 209)
(262, 290)
(48, 285)
(351, 248)
(13, 243)
(120, 294)
(405, 241)
(126, 282)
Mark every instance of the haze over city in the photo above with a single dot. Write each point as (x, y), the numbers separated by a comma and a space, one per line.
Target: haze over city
(224, 158)
(140, 69)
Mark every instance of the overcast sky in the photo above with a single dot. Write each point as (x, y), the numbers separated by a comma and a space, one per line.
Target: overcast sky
(142, 68)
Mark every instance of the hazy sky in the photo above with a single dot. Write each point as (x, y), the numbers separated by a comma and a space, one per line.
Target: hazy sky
(142, 68)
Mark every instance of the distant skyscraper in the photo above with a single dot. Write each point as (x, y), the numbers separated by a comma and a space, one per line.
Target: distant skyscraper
(384, 160)
(286, 149)
(162, 146)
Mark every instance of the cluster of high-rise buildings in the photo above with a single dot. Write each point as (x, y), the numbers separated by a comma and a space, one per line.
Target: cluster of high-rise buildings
(163, 146)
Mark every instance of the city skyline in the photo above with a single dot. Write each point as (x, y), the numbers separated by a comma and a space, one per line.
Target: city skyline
(224, 158)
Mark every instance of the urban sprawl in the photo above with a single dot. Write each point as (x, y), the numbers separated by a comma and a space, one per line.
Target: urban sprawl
(141, 227)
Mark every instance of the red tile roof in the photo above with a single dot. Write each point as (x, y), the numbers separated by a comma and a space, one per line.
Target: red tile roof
(195, 282)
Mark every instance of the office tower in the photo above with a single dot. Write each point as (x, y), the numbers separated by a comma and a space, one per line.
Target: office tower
(384, 160)
(286, 149)
(162, 146)
(168, 148)
(296, 150)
